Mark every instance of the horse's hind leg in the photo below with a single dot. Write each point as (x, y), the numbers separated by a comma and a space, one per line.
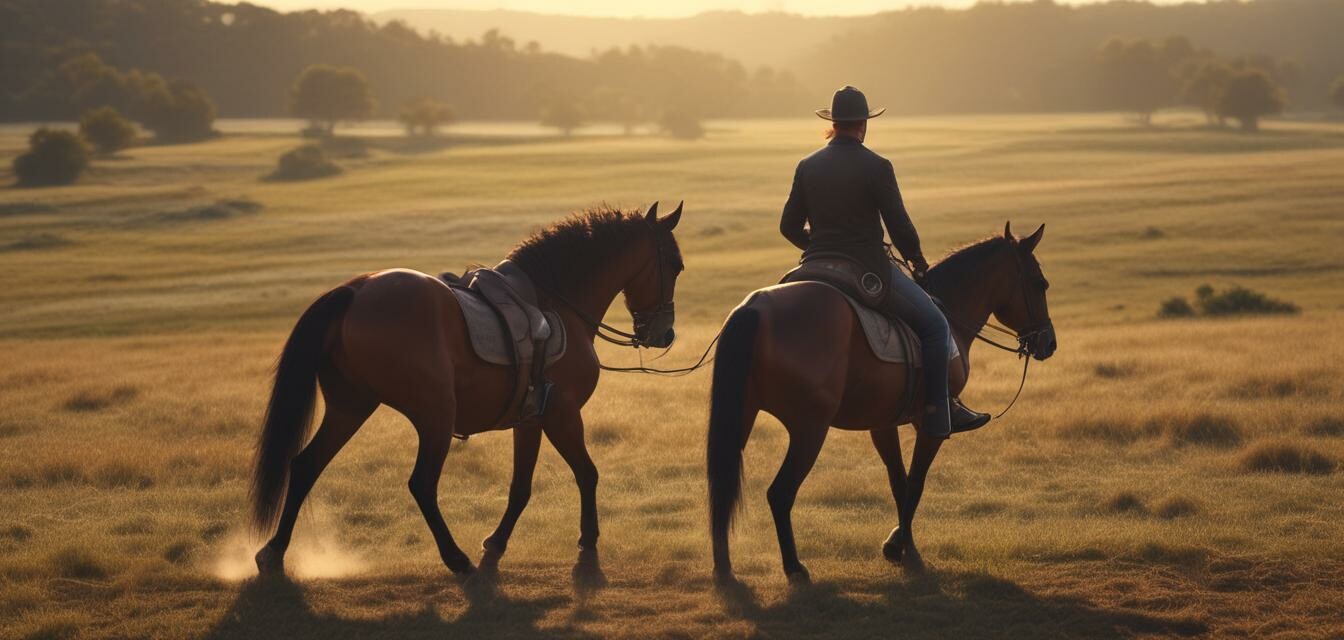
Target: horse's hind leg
(526, 443)
(436, 434)
(887, 440)
(347, 407)
(805, 440)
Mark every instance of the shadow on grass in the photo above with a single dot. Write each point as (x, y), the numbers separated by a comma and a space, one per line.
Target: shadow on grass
(942, 605)
(280, 608)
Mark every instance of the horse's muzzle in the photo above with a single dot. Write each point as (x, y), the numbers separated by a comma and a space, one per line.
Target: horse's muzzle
(1043, 344)
(654, 329)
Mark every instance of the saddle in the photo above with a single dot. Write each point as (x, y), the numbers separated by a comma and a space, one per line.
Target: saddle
(507, 328)
(890, 339)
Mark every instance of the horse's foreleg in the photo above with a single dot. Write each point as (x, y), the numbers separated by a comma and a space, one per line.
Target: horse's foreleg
(887, 441)
(564, 428)
(343, 417)
(436, 434)
(805, 442)
(526, 443)
(926, 448)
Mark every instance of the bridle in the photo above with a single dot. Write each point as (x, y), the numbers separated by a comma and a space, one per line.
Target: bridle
(1023, 350)
(642, 319)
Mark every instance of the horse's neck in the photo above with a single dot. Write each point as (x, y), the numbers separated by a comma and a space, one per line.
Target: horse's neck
(968, 301)
(590, 303)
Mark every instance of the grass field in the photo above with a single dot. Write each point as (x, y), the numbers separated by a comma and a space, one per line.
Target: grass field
(1131, 492)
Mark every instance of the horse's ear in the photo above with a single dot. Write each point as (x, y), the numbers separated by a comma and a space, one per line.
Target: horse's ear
(670, 222)
(1029, 243)
(651, 215)
(1008, 230)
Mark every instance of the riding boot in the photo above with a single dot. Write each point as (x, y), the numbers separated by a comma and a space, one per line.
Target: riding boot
(964, 419)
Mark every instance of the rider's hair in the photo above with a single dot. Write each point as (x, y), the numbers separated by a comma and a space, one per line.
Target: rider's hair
(846, 127)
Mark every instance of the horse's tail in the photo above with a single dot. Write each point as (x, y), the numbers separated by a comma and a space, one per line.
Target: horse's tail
(727, 409)
(289, 415)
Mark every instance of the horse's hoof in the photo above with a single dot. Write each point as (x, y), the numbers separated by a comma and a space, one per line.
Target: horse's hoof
(588, 574)
(481, 582)
(462, 569)
(800, 577)
(892, 551)
(270, 562)
(725, 578)
(912, 561)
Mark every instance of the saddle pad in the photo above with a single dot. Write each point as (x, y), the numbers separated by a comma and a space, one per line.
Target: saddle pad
(884, 338)
(488, 338)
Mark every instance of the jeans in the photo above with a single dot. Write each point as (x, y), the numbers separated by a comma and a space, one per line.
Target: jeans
(908, 301)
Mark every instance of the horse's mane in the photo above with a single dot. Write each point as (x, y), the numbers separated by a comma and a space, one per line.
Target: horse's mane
(963, 260)
(565, 254)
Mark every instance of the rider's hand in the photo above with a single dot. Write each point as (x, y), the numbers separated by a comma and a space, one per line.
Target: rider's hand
(919, 268)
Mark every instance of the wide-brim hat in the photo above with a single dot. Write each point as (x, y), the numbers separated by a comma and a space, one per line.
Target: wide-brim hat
(849, 104)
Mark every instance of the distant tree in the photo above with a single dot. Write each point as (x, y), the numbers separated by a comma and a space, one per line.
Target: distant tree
(326, 95)
(176, 111)
(1250, 95)
(425, 116)
(1337, 92)
(618, 105)
(53, 157)
(1204, 87)
(563, 114)
(106, 130)
(1139, 75)
(681, 124)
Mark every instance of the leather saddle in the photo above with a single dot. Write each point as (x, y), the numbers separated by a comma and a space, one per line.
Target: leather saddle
(507, 328)
(890, 339)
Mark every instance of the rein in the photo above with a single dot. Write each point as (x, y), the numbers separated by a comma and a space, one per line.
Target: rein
(1023, 348)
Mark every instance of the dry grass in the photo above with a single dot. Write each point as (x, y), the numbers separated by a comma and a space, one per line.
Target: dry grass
(1122, 496)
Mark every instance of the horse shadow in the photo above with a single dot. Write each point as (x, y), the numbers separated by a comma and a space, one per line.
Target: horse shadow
(279, 607)
(940, 605)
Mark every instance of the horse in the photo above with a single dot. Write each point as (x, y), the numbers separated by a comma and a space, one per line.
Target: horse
(797, 351)
(398, 337)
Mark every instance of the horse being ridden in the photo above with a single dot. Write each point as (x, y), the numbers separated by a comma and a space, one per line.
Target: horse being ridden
(797, 351)
(398, 337)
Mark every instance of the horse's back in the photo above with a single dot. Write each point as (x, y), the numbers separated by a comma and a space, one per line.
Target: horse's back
(812, 358)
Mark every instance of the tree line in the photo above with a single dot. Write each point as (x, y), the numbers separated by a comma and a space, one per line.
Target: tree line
(246, 57)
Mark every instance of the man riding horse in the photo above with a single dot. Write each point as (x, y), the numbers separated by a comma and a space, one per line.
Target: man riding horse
(842, 195)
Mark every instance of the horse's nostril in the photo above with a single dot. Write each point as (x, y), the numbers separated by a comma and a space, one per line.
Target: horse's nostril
(669, 336)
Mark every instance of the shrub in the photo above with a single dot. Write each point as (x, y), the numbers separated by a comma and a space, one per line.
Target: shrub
(106, 130)
(682, 125)
(1176, 507)
(53, 157)
(1232, 301)
(1240, 300)
(1203, 430)
(1177, 307)
(304, 163)
(1283, 457)
(1124, 502)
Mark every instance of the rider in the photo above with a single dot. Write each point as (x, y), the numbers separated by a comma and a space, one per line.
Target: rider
(834, 206)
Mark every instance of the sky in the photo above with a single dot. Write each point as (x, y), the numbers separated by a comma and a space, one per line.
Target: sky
(622, 8)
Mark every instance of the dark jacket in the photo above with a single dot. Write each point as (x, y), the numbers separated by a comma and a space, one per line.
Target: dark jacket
(843, 190)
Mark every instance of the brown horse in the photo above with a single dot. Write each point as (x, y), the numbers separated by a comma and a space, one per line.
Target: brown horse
(398, 338)
(798, 352)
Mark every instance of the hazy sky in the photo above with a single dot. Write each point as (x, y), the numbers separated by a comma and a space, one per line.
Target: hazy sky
(624, 8)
